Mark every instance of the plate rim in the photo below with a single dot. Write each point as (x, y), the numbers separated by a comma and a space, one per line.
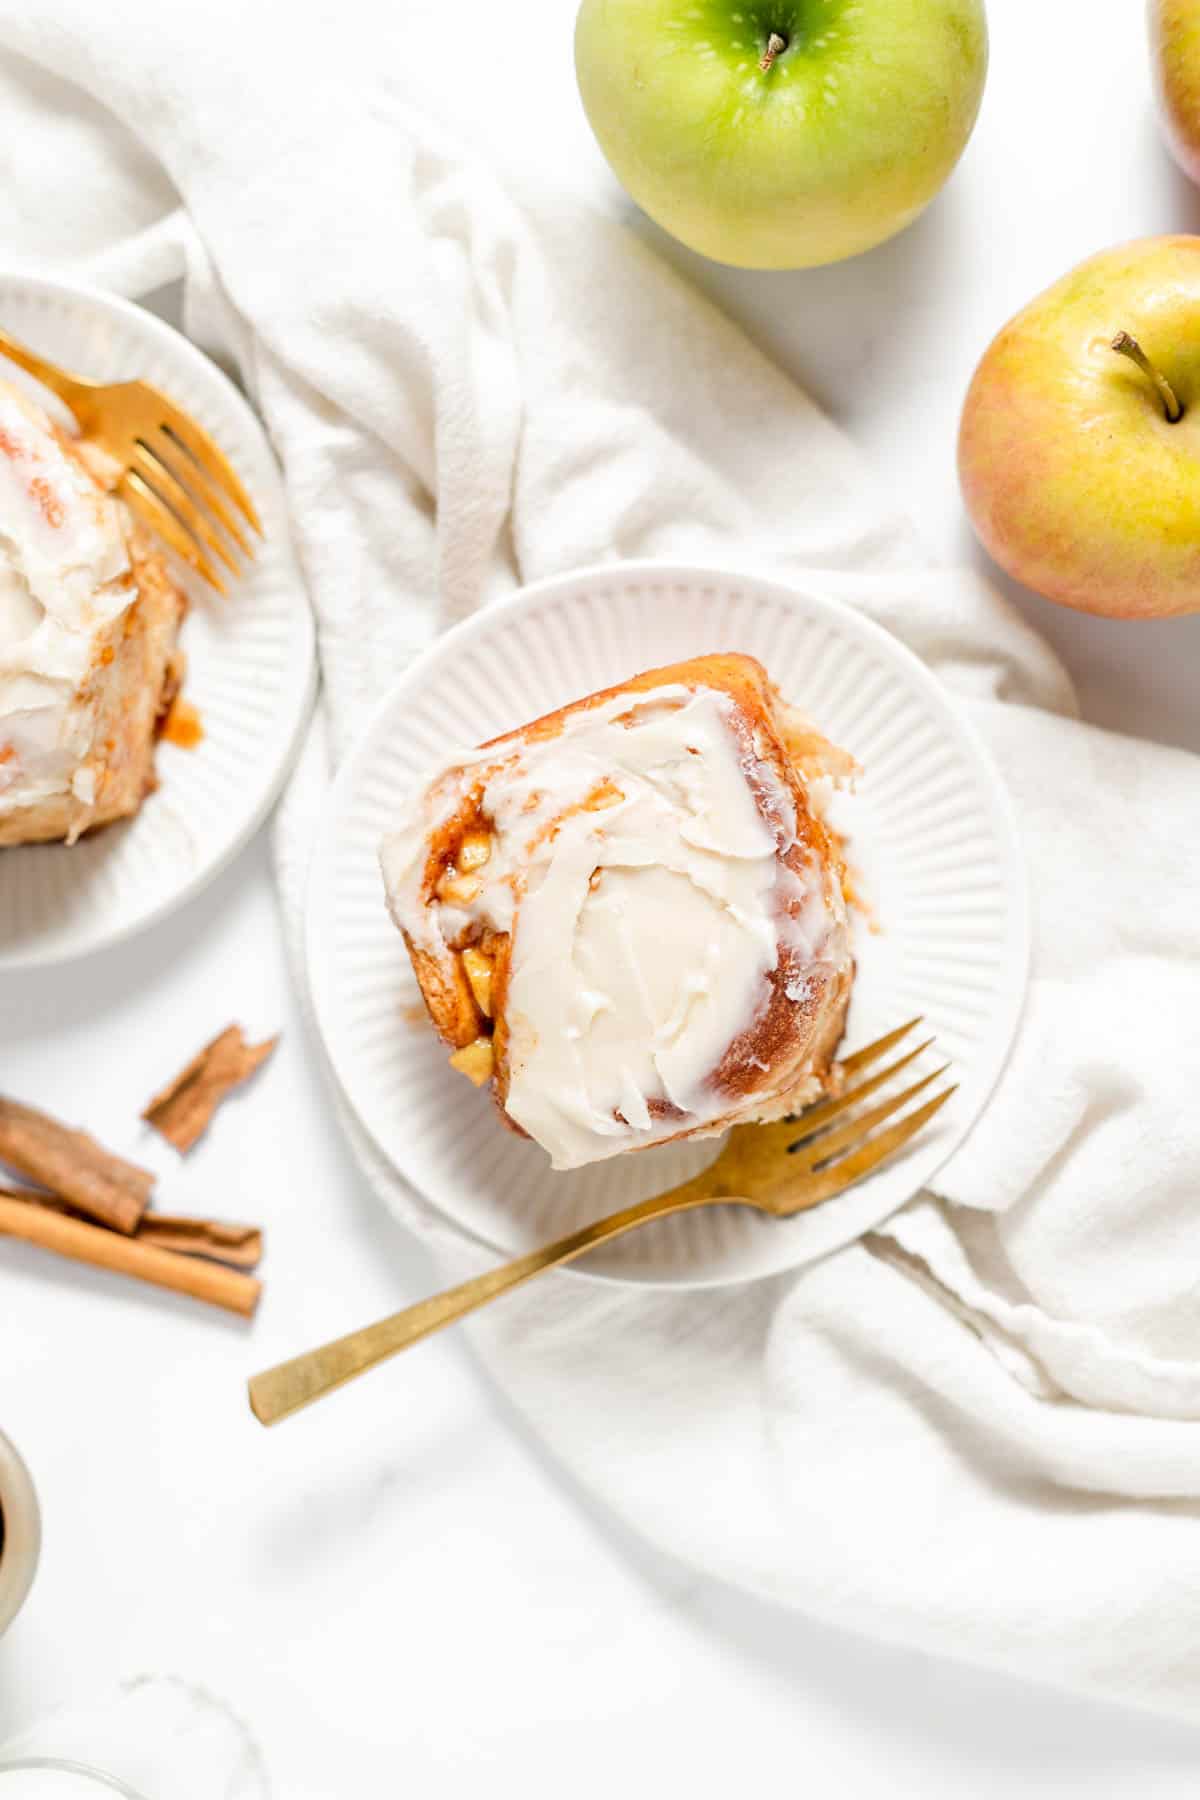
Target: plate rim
(304, 687)
(789, 592)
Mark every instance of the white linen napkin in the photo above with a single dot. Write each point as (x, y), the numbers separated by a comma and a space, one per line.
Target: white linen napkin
(976, 1430)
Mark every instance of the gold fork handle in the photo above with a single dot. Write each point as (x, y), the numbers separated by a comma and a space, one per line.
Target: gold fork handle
(283, 1390)
(68, 387)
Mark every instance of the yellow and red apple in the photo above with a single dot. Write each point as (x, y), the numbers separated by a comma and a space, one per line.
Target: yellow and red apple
(1175, 55)
(1079, 448)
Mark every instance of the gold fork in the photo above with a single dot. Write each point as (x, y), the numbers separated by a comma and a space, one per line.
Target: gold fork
(780, 1169)
(173, 476)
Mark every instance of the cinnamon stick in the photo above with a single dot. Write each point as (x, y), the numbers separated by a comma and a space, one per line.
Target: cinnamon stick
(240, 1246)
(73, 1164)
(183, 1110)
(100, 1249)
(220, 1239)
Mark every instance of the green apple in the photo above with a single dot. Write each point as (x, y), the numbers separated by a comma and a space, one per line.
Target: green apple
(779, 134)
(1079, 449)
(1175, 54)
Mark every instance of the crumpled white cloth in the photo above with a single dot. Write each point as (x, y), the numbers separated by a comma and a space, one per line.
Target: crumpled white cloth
(979, 1429)
(163, 1737)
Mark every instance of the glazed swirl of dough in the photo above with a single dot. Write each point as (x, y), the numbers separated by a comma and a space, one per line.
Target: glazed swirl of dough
(65, 581)
(646, 872)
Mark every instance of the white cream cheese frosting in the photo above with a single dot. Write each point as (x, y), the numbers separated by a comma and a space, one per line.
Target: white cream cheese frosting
(65, 581)
(636, 861)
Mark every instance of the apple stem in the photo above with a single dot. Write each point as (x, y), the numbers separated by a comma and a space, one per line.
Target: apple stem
(775, 46)
(1125, 345)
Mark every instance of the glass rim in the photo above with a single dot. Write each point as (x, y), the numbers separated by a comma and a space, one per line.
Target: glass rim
(62, 1767)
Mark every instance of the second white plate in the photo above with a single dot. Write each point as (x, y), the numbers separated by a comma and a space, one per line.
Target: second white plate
(931, 834)
(251, 663)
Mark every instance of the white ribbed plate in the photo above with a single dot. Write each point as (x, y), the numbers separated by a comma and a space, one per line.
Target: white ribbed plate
(930, 830)
(250, 674)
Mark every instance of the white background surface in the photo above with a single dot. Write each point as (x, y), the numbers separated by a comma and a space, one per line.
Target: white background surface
(396, 1590)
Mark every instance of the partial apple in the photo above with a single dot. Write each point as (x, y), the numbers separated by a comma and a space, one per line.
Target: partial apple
(1079, 449)
(779, 134)
(1175, 54)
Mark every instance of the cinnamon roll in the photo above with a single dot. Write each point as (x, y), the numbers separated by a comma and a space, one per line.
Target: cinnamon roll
(628, 917)
(88, 624)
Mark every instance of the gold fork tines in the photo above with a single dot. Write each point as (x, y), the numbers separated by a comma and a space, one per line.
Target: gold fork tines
(781, 1169)
(172, 475)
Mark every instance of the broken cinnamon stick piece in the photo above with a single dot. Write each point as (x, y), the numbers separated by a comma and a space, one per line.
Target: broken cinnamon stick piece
(181, 1113)
(101, 1249)
(74, 1165)
(240, 1246)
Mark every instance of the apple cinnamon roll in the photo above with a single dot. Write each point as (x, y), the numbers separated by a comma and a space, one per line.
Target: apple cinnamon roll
(89, 618)
(629, 917)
